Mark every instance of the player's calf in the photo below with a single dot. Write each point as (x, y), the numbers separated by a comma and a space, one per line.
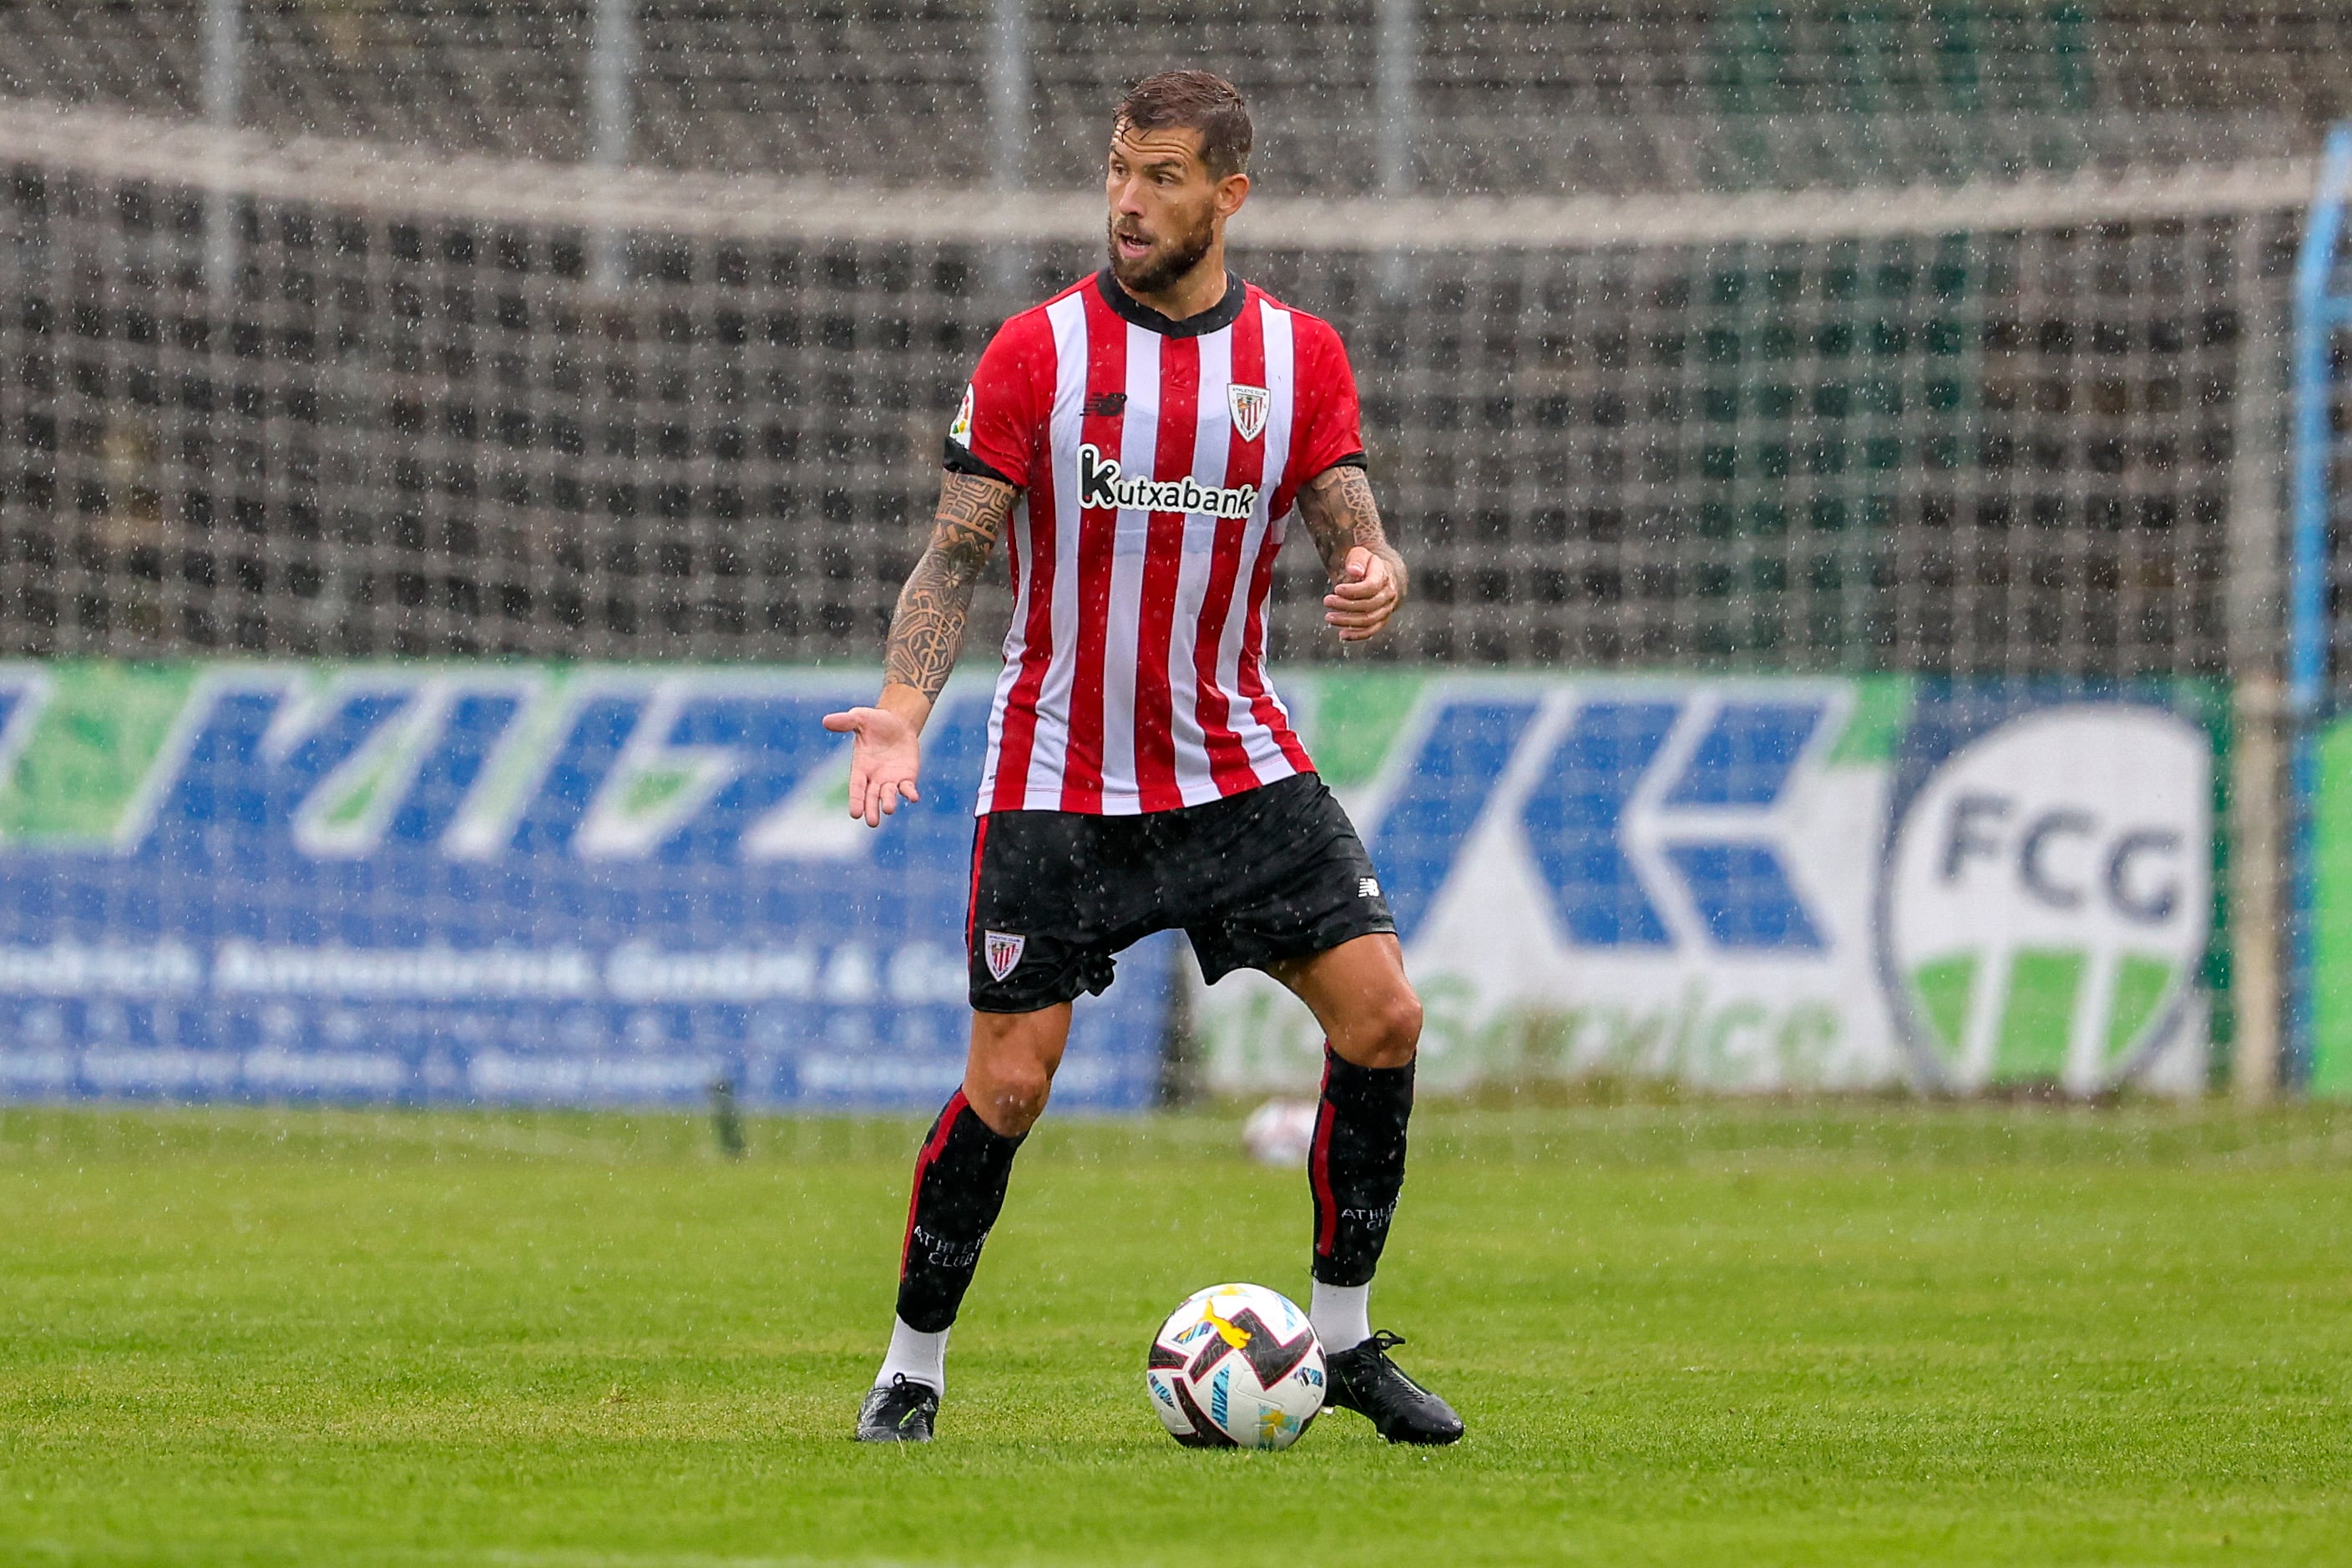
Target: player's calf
(1355, 1170)
(1356, 1173)
(960, 1178)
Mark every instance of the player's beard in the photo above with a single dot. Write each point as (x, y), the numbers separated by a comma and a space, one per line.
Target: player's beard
(1163, 268)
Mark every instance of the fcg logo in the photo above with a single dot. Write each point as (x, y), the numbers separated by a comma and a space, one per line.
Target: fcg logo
(2046, 907)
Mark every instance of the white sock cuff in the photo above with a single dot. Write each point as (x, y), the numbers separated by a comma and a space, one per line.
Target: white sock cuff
(1342, 1315)
(922, 1357)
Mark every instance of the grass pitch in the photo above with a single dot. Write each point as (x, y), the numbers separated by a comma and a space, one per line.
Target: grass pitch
(1727, 1333)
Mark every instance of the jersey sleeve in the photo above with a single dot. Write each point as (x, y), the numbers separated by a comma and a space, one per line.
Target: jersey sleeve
(995, 426)
(1331, 429)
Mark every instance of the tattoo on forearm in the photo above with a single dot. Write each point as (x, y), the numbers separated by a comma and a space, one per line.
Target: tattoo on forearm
(1340, 514)
(926, 632)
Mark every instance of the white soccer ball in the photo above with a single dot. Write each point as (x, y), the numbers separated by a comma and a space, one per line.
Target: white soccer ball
(1236, 1366)
(1280, 1131)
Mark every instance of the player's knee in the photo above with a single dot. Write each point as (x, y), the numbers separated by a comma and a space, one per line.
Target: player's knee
(1392, 1034)
(1014, 1098)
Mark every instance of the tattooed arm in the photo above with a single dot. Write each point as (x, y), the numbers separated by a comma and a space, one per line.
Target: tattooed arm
(925, 634)
(1368, 576)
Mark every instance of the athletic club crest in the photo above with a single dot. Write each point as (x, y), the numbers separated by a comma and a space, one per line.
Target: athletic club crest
(1001, 950)
(1249, 405)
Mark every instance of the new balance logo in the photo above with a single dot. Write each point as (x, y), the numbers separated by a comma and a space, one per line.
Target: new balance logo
(1101, 484)
(1368, 887)
(1107, 405)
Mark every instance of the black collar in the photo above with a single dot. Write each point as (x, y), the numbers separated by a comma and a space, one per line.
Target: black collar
(1215, 318)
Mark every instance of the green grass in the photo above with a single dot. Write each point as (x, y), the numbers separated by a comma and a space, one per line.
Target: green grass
(1715, 1333)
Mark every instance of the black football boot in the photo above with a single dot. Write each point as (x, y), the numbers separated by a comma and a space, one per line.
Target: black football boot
(900, 1411)
(1366, 1381)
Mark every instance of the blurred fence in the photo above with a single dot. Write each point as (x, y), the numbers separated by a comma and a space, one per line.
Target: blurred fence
(315, 402)
(1497, 95)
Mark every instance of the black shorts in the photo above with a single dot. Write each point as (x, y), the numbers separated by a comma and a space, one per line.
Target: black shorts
(1271, 873)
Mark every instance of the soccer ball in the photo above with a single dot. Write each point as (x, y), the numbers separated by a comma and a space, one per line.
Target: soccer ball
(1280, 1131)
(1236, 1366)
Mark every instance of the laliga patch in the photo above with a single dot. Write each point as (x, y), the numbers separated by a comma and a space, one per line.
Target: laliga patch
(961, 431)
(1001, 951)
(1249, 405)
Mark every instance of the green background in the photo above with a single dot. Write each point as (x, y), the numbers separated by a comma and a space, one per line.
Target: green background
(1746, 1334)
(2331, 917)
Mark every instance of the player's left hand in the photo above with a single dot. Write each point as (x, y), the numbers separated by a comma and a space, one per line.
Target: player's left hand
(1360, 603)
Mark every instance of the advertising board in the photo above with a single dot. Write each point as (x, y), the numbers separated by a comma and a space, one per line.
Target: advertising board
(493, 882)
(585, 885)
(1768, 884)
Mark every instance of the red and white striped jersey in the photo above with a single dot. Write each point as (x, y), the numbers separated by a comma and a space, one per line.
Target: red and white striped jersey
(1157, 460)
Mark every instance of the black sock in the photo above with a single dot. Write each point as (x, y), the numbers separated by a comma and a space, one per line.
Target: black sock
(960, 1179)
(1356, 1167)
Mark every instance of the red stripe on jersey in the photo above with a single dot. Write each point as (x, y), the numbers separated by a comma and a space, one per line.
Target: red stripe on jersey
(1020, 737)
(1163, 561)
(1252, 673)
(1229, 765)
(1082, 785)
(1328, 424)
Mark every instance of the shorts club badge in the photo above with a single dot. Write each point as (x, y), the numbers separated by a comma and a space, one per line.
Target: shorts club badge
(1002, 951)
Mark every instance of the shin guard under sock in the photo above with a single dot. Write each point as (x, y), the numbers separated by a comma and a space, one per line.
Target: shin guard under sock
(1356, 1165)
(960, 1179)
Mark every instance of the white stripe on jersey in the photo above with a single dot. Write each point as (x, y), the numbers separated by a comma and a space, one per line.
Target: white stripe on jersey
(1212, 450)
(1264, 752)
(1052, 748)
(1139, 451)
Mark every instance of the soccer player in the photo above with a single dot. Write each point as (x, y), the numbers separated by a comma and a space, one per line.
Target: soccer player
(1141, 441)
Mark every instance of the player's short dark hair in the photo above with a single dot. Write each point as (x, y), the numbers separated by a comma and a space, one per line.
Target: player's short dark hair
(1197, 100)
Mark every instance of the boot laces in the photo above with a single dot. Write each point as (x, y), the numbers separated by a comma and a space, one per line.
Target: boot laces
(905, 1392)
(1379, 1345)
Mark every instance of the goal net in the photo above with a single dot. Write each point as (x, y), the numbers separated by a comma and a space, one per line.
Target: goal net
(318, 400)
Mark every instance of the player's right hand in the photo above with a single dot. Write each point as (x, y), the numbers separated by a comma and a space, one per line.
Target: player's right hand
(884, 757)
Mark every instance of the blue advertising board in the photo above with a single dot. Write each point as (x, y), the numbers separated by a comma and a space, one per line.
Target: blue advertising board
(1768, 883)
(491, 883)
(585, 885)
